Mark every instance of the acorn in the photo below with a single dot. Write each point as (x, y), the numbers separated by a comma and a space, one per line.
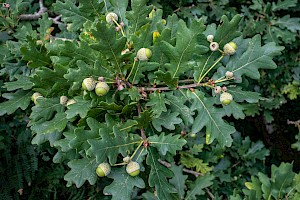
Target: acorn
(210, 38)
(63, 100)
(110, 17)
(88, 84)
(226, 98)
(217, 89)
(35, 96)
(133, 168)
(229, 74)
(230, 48)
(126, 159)
(70, 102)
(155, 36)
(214, 46)
(103, 169)
(101, 88)
(144, 54)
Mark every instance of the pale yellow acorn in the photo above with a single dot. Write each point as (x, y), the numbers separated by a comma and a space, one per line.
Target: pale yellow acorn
(103, 169)
(70, 102)
(88, 84)
(210, 38)
(230, 48)
(133, 168)
(214, 46)
(229, 74)
(226, 98)
(101, 88)
(63, 100)
(110, 17)
(35, 96)
(144, 54)
(217, 89)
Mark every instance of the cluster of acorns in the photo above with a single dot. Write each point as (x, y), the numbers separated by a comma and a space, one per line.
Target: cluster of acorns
(132, 168)
(101, 88)
(63, 99)
(228, 49)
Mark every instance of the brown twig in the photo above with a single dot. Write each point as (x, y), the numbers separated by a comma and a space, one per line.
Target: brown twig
(35, 16)
(169, 165)
(297, 123)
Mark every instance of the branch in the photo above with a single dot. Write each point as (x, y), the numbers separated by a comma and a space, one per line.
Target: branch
(169, 165)
(37, 15)
(143, 135)
(297, 123)
(167, 88)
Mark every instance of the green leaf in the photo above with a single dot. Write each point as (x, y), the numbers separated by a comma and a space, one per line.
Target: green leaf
(157, 103)
(158, 176)
(45, 109)
(283, 5)
(187, 44)
(167, 120)
(22, 82)
(190, 161)
(107, 43)
(50, 82)
(110, 145)
(167, 143)
(167, 79)
(76, 16)
(123, 185)
(82, 170)
(37, 57)
(234, 109)
(228, 30)
(256, 57)
(137, 17)
(81, 108)
(58, 123)
(19, 99)
(290, 23)
(120, 7)
(239, 95)
(210, 117)
(179, 180)
(176, 102)
(79, 141)
(144, 119)
(197, 187)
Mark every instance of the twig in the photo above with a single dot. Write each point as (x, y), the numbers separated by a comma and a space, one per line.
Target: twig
(143, 135)
(169, 165)
(167, 88)
(35, 16)
(210, 194)
(297, 123)
(56, 19)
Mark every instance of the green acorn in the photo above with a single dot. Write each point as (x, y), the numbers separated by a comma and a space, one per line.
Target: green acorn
(144, 54)
(133, 168)
(35, 96)
(110, 17)
(226, 98)
(88, 84)
(103, 169)
(230, 48)
(101, 88)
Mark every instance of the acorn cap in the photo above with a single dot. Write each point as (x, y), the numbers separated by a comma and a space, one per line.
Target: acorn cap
(230, 48)
(70, 102)
(226, 98)
(88, 84)
(110, 16)
(144, 54)
(229, 74)
(35, 96)
(63, 100)
(133, 168)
